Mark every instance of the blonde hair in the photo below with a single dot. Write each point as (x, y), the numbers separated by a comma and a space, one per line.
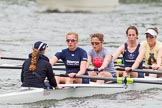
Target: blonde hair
(34, 58)
(73, 33)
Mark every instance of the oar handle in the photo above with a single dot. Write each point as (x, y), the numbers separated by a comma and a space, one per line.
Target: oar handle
(147, 67)
(64, 69)
(62, 75)
(120, 65)
(92, 69)
(120, 69)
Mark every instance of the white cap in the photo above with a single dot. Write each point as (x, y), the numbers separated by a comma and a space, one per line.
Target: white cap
(151, 32)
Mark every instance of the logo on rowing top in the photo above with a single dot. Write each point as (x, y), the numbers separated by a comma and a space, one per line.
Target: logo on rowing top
(97, 62)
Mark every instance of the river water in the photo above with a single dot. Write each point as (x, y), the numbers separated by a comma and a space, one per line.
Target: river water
(22, 23)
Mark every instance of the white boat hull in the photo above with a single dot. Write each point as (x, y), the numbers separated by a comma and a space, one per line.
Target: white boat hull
(78, 5)
(77, 91)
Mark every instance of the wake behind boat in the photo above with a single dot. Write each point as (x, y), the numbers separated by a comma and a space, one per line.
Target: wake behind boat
(31, 95)
(78, 5)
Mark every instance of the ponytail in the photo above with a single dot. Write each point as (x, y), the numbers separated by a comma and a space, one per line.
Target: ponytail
(32, 66)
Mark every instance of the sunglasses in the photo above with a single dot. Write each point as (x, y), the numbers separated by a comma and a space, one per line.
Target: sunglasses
(70, 40)
(149, 36)
(95, 43)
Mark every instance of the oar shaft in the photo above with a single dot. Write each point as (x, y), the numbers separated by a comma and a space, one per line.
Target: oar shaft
(122, 66)
(88, 77)
(12, 58)
(147, 71)
(149, 81)
(15, 58)
(142, 70)
(10, 67)
(118, 80)
(64, 69)
(19, 67)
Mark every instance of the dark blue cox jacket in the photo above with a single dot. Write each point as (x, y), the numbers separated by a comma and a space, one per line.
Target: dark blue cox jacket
(36, 79)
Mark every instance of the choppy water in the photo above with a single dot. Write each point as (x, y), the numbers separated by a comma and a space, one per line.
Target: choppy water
(21, 24)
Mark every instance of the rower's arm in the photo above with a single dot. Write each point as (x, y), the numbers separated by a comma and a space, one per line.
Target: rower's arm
(139, 58)
(159, 57)
(158, 60)
(83, 68)
(89, 61)
(117, 53)
(106, 61)
(53, 60)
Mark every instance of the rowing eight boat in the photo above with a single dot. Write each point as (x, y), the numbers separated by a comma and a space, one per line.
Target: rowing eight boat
(30, 95)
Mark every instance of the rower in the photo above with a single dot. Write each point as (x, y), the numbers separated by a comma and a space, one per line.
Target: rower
(133, 54)
(75, 60)
(153, 55)
(100, 58)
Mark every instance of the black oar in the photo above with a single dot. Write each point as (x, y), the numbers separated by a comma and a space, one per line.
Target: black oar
(61, 69)
(123, 80)
(12, 58)
(19, 67)
(122, 65)
(141, 70)
(10, 67)
(88, 77)
(15, 58)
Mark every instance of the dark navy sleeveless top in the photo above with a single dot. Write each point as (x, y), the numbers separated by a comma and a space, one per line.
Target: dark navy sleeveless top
(130, 57)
